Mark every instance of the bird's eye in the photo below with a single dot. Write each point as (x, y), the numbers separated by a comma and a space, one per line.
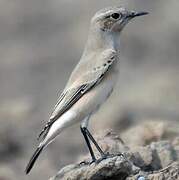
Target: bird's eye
(116, 16)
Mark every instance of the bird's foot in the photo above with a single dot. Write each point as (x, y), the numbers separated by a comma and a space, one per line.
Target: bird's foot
(87, 162)
(107, 155)
(83, 163)
(103, 156)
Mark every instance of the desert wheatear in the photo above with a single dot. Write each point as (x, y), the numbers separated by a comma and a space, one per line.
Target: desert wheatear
(92, 80)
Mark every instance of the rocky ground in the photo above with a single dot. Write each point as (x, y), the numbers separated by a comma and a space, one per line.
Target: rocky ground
(156, 161)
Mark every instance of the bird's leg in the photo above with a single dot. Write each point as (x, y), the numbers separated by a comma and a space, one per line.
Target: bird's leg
(103, 155)
(84, 124)
(88, 143)
(87, 135)
(95, 143)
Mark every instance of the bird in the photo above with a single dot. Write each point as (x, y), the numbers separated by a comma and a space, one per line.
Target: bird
(91, 82)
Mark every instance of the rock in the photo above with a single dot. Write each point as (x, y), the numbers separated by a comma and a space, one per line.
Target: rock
(155, 161)
(168, 173)
(164, 151)
(110, 168)
(171, 172)
(142, 157)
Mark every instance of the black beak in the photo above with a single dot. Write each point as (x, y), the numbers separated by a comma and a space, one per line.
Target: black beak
(135, 14)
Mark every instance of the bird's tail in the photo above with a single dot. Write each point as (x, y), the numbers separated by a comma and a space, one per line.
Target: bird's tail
(33, 159)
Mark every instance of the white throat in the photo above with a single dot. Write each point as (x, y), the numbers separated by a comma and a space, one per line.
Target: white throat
(102, 40)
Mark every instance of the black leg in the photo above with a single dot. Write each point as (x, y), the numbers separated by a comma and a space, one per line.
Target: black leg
(88, 144)
(95, 143)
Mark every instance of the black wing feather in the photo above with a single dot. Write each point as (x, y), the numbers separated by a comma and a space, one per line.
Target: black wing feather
(33, 159)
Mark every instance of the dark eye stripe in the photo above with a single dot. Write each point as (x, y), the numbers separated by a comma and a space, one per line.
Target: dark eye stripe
(107, 17)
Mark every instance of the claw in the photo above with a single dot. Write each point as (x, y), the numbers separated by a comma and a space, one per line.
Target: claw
(83, 163)
(87, 162)
(108, 155)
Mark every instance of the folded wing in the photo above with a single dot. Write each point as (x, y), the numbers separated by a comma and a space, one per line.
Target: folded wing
(86, 81)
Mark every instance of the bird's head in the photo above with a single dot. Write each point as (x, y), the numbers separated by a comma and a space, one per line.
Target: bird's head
(113, 19)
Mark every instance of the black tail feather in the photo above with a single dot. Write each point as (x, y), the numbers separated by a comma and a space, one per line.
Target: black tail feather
(33, 159)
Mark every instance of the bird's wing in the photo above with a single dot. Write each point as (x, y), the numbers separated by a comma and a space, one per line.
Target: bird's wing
(86, 81)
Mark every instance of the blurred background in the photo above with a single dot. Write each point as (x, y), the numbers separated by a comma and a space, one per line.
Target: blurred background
(40, 43)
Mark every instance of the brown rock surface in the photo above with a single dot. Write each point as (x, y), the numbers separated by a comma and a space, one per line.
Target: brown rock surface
(155, 161)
